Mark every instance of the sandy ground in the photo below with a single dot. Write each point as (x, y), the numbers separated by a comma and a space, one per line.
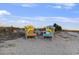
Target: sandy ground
(64, 43)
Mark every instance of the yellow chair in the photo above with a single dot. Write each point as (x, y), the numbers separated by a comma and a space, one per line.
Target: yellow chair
(30, 31)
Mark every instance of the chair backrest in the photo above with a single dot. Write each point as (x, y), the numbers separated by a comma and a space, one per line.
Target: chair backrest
(29, 29)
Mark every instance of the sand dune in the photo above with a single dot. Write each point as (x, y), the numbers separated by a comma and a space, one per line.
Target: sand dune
(64, 43)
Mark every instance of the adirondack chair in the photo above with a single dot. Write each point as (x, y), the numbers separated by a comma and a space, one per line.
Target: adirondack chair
(30, 31)
(48, 33)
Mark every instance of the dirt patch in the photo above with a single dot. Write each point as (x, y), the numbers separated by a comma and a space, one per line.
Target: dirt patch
(11, 45)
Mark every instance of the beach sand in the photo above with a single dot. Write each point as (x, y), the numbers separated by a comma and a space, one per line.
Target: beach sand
(64, 43)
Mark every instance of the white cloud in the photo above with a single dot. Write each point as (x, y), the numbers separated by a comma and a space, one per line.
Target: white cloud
(68, 5)
(36, 21)
(64, 19)
(57, 19)
(63, 5)
(57, 6)
(28, 5)
(4, 12)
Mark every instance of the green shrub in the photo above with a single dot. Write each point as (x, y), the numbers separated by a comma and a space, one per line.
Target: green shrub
(57, 27)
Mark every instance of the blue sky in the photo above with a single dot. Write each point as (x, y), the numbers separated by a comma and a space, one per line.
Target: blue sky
(40, 14)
